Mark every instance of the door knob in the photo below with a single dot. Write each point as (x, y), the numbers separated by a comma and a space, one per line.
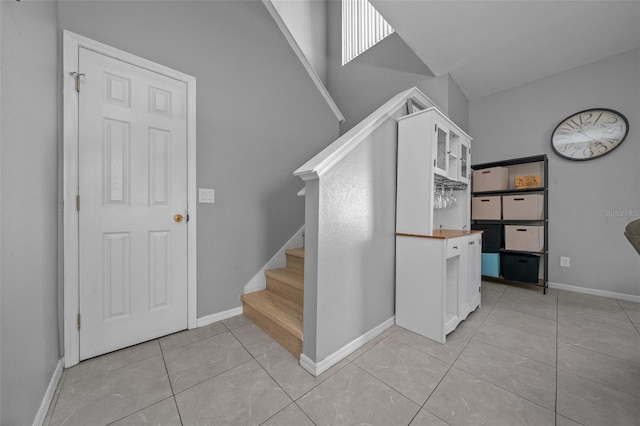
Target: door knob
(177, 218)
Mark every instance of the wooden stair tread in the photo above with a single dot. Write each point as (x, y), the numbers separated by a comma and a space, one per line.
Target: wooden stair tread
(281, 311)
(297, 252)
(288, 276)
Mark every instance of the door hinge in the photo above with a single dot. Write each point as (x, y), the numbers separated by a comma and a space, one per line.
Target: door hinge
(77, 76)
(187, 218)
(78, 202)
(78, 321)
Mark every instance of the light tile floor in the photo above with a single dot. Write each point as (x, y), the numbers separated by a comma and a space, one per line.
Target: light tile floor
(523, 358)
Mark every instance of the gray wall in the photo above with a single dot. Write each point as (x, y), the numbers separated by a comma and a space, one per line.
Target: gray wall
(350, 244)
(307, 22)
(458, 105)
(383, 71)
(252, 134)
(259, 118)
(518, 122)
(29, 212)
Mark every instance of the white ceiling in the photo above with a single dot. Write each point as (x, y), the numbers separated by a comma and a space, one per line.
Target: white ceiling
(489, 46)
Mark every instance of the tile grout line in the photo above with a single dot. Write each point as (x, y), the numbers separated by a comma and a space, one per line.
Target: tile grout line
(625, 311)
(392, 388)
(499, 386)
(598, 383)
(590, 350)
(194, 341)
(173, 395)
(598, 352)
(293, 401)
(216, 375)
(144, 408)
(422, 407)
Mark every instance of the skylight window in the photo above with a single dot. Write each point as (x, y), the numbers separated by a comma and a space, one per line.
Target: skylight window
(362, 27)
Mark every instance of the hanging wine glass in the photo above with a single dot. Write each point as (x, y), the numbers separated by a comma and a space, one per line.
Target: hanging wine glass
(445, 200)
(452, 198)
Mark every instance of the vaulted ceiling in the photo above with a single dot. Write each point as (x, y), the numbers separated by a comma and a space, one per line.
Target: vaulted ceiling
(489, 46)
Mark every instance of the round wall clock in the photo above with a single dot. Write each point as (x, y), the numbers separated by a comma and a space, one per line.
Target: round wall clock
(589, 134)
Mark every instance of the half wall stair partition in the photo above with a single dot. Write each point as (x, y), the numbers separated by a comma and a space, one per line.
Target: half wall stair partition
(349, 250)
(337, 292)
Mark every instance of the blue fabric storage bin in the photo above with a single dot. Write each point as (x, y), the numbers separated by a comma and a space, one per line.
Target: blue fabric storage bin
(490, 265)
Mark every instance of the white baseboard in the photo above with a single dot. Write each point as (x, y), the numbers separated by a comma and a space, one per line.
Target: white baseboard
(210, 319)
(317, 368)
(595, 292)
(48, 396)
(259, 281)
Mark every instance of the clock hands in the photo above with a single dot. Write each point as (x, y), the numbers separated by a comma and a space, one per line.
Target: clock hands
(581, 130)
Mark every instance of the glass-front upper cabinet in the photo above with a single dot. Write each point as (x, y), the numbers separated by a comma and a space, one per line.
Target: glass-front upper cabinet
(451, 152)
(441, 149)
(465, 160)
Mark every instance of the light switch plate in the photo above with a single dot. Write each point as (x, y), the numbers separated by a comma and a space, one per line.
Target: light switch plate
(206, 195)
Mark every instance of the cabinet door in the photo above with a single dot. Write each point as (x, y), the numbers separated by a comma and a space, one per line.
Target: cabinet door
(441, 149)
(465, 160)
(474, 280)
(463, 287)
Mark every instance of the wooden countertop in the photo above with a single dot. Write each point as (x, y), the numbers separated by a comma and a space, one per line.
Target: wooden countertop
(443, 233)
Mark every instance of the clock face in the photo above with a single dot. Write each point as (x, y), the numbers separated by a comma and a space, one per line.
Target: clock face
(589, 134)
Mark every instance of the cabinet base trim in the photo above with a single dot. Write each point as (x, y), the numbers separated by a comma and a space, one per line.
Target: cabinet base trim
(595, 292)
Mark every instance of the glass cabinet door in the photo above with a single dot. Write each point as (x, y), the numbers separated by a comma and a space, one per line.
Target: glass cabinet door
(441, 150)
(465, 161)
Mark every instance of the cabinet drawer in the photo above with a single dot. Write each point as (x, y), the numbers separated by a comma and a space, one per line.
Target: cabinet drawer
(524, 238)
(486, 208)
(524, 206)
(454, 246)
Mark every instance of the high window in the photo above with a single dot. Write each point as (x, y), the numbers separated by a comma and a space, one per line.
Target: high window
(362, 27)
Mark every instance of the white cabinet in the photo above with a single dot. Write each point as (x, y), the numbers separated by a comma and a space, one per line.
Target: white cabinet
(436, 283)
(437, 257)
(433, 153)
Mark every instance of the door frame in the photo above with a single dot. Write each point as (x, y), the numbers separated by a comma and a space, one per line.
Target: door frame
(70, 175)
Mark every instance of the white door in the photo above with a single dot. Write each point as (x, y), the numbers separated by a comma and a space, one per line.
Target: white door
(132, 163)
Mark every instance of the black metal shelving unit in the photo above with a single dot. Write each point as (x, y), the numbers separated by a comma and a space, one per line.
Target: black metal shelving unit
(544, 254)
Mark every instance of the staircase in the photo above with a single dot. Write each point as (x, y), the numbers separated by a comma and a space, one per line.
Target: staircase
(278, 309)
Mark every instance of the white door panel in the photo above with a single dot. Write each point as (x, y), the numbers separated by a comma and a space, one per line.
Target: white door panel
(132, 181)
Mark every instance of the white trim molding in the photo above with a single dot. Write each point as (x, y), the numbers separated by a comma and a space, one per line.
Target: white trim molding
(342, 146)
(210, 319)
(49, 394)
(303, 59)
(595, 292)
(259, 281)
(317, 368)
(71, 43)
